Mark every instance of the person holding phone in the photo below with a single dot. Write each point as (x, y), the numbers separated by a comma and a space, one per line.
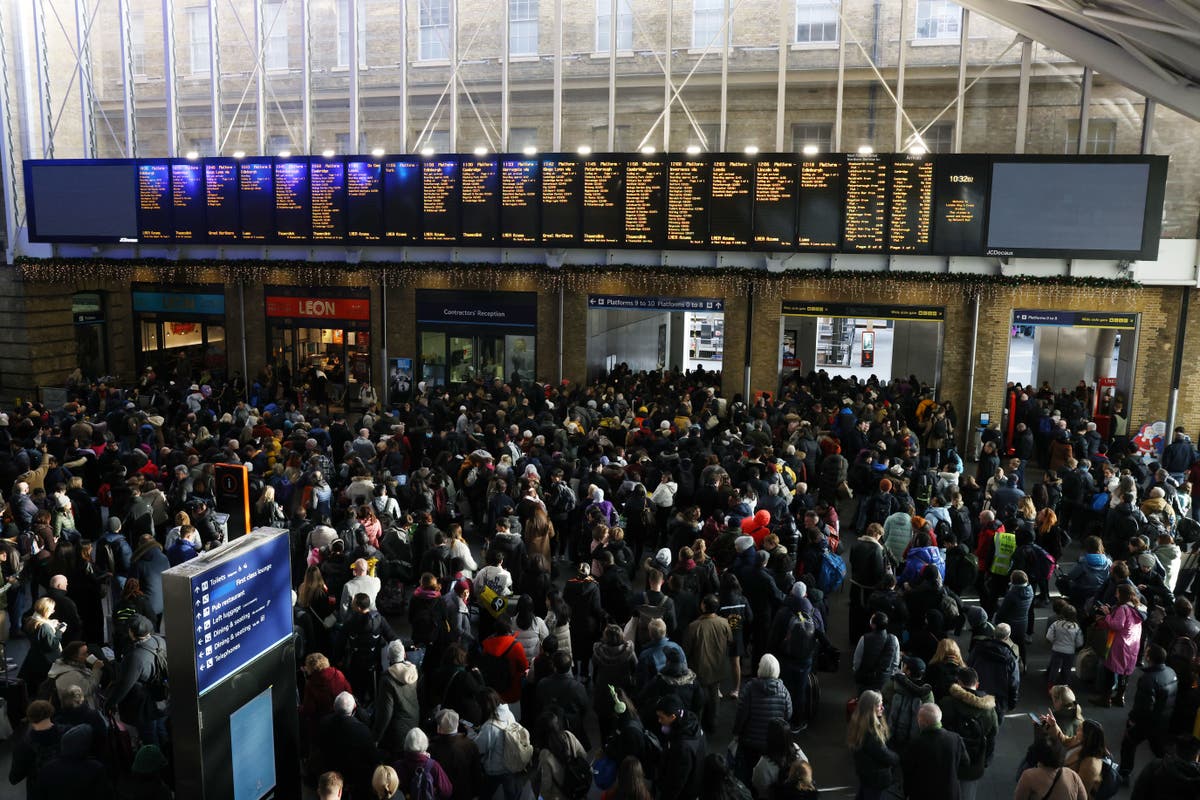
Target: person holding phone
(77, 667)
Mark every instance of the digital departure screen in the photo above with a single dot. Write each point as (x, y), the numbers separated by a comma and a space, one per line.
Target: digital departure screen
(520, 187)
(293, 215)
(222, 216)
(822, 189)
(480, 201)
(687, 203)
(403, 201)
(562, 196)
(731, 208)
(440, 203)
(775, 203)
(1099, 207)
(328, 201)
(154, 201)
(256, 194)
(910, 205)
(187, 201)
(645, 193)
(865, 228)
(603, 200)
(364, 201)
(961, 190)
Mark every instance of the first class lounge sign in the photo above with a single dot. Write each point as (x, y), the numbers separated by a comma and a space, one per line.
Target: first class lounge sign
(319, 308)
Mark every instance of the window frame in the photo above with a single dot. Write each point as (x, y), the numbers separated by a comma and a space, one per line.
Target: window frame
(935, 12)
(624, 26)
(807, 8)
(528, 22)
(137, 44)
(197, 14)
(713, 36)
(427, 28)
(342, 12)
(276, 41)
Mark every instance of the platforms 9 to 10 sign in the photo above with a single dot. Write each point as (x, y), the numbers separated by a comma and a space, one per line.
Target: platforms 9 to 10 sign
(832, 202)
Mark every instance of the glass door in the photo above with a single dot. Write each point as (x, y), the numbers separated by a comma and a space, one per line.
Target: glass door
(491, 357)
(433, 358)
(462, 359)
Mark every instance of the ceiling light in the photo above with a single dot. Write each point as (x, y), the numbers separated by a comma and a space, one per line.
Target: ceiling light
(751, 150)
(239, 153)
(529, 150)
(811, 150)
(377, 152)
(648, 150)
(193, 155)
(427, 151)
(865, 150)
(329, 152)
(693, 150)
(480, 152)
(917, 150)
(584, 150)
(285, 153)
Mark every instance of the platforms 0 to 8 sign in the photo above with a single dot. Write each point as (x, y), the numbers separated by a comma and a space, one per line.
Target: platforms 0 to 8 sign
(241, 608)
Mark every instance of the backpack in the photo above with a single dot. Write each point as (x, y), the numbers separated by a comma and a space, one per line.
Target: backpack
(974, 739)
(833, 572)
(962, 568)
(496, 671)
(421, 787)
(156, 686)
(563, 502)
(1110, 779)
(1100, 501)
(517, 750)
(902, 720)
(1039, 563)
(577, 778)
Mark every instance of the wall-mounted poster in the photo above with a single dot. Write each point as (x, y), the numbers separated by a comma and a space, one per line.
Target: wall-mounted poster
(790, 361)
(520, 352)
(400, 381)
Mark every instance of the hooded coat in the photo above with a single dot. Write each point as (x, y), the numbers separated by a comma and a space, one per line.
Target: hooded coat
(684, 750)
(902, 697)
(397, 710)
(962, 704)
(74, 773)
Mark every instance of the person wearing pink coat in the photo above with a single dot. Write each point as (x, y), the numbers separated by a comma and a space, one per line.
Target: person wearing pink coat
(1124, 624)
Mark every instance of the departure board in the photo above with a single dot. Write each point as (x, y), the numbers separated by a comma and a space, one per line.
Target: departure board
(480, 201)
(292, 214)
(645, 195)
(440, 200)
(256, 194)
(364, 201)
(154, 201)
(731, 209)
(819, 217)
(603, 200)
(910, 205)
(328, 200)
(865, 229)
(562, 193)
(402, 201)
(520, 189)
(687, 203)
(961, 191)
(775, 203)
(187, 201)
(221, 218)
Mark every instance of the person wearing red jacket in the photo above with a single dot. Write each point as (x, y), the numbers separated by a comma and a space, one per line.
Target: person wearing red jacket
(324, 683)
(502, 644)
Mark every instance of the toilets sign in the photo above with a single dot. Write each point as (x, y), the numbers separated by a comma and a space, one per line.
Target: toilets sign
(319, 308)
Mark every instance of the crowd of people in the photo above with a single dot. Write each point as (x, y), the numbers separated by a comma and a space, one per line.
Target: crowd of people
(553, 590)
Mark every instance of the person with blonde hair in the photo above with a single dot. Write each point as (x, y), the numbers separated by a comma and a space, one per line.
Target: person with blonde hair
(385, 783)
(943, 669)
(867, 736)
(45, 642)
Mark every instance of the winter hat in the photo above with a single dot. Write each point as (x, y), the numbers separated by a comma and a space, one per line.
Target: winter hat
(149, 760)
(395, 652)
(799, 589)
(976, 616)
(743, 543)
(1146, 560)
(885, 485)
(114, 524)
(756, 526)
(663, 559)
(676, 666)
(915, 665)
(139, 626)
(669, 704)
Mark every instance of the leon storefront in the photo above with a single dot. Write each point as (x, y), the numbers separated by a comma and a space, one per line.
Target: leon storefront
(330, 333)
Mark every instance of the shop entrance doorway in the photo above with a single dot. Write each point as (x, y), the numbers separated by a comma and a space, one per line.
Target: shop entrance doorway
(647, 334)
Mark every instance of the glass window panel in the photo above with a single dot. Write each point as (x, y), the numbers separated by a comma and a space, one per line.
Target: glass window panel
(624, 25)
(817, 20)
(523, 27)
(706, 23)
(199, 42)
(343, 33)
(938, 19)
(137, 42)
(275, 32)
(818, 134)
(434, 33)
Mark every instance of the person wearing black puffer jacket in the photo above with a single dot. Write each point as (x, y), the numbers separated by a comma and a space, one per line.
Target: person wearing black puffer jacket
(684, 749)
(1153, 704)
(1172, 776)
(763, 699)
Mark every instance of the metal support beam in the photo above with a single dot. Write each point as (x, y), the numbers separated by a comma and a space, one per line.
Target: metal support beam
(84, 63)
(43, 78)
(170, 102)
(403, 81)
(260, 88)
(841, 90)
(668, 50)
(1085, 105)
(960, 103)
(127, 79)
(785, 24)
(1023, 95)
(613, 24)
(725, 37)
(505, 54)
(556, 92)
(454, 65)
(305, 77)
(354, 45)
(8, 173)
(901, 62)
(214, 77)
(1148, 127)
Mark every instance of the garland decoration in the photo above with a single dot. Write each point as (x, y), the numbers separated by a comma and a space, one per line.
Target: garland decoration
(922, 287)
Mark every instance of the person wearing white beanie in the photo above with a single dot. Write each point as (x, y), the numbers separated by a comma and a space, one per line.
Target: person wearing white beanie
(743, 543)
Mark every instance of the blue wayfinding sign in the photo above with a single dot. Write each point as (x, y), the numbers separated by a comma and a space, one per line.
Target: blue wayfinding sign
(241, 607)
(619, 302)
